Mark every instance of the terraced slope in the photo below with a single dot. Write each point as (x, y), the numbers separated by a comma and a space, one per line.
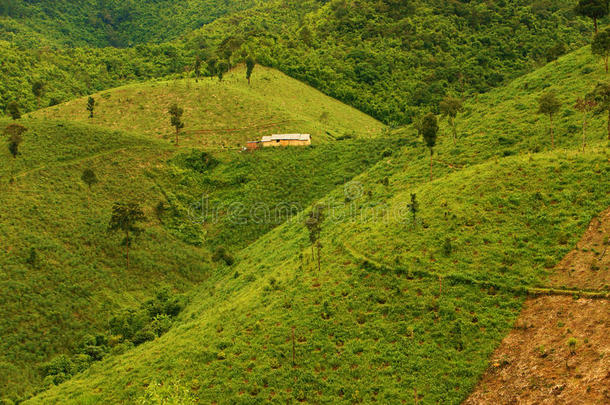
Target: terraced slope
(222, 114)
(400, 308)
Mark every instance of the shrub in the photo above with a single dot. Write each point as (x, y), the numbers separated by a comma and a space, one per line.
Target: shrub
(221, 254)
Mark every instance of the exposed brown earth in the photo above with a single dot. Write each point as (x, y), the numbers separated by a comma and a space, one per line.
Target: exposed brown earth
(559, 350)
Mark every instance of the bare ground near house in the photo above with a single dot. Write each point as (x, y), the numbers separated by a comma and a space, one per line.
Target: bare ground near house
(559, 350)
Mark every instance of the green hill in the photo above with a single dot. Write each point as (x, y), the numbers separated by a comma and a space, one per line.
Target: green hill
(64, 275)
(398, 308)
(227, 113)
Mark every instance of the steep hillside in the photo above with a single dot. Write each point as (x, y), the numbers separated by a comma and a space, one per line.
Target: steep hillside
(64, 276)
(400, 307)
(114, 23)
(227, 113)
(423, 318)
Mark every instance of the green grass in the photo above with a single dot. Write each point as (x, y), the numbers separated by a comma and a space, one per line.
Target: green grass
(222, 114)
(79, 280)
(392, 310)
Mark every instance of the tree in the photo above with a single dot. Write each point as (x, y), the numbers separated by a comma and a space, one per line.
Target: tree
(314, 226)
(14, 129)
(13, 144)
(250, 63)
(429, 131)
(197, 68)
(125, 218)
(221, 68)
(601, 45)
(89, 177)
(414, 207)
(175, 113)
(601, 96)
(549, 104)
(585, 105)
(13, 109)
(450, 108)
(91, 106)
(37, 90)
(594, 9)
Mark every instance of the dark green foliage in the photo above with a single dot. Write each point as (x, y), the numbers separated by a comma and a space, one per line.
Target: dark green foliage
(175, 114)
(601, 45)
(221, 254)
(549, 104)
(199, 161)
(250, 63)
(13, 110)
(90, 106)
(450, 107)
(414, 207)
(13, 144)
(37, 90)
(130, 328)
(126, 218)
(32, 258)
(221, 68)
(89, 177)
(594, 9)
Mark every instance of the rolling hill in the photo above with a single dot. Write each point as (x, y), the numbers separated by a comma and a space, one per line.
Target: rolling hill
(401, 307)
(64, 276)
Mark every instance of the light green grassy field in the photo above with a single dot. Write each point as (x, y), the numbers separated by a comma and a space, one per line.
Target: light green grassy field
(398, 309)
(222, 114)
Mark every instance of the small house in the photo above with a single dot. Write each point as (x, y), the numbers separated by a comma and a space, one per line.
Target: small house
(286, 140)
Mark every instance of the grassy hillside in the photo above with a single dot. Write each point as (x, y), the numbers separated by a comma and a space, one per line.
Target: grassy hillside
(64, 276)
(371, 325)
(222, 114)
(398, 308)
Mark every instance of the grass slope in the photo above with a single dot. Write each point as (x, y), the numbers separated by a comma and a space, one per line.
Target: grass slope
(226, 113)
(396, 308)
(78, 279)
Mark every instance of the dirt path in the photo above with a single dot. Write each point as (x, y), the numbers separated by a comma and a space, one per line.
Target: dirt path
(559, 350)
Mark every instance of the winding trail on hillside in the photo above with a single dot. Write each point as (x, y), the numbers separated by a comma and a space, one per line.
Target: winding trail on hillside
(559, 349)
(75, 161)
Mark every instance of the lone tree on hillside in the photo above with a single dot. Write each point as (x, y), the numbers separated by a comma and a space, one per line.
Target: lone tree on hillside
(601, 45)
(89, 178)
(594, 9)
(250, 63)
(221, 68)
(585, 105)
(125, 218)
(14, 129)
(13, 144)
(450, 108)
(37, 90)
(429, 131)
(13, 109)
(197, 68)
(91, 106)
(175, 113)
(414, 207)
(601, 96)
(314, 226)
(549, 104)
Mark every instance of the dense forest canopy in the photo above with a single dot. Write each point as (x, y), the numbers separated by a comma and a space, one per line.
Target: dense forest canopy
(392, 59)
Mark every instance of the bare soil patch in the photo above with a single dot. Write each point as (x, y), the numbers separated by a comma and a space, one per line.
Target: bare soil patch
(559, 350)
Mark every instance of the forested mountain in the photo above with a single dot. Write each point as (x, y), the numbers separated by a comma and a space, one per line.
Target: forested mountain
(391, 59)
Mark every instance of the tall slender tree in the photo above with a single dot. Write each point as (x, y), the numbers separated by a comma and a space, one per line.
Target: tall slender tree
(549, 104)
(197, 68)
(175, 113)
(314, 225)
(38, 90)
(429, 131)
(450, 108)
(91, 106)
(126, 218)
(250, 63)
(594, 9)
(601, 46)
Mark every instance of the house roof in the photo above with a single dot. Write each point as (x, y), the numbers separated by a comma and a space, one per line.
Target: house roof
(287, 137)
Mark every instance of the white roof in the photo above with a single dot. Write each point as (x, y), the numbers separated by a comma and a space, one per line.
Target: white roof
(287, 137)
